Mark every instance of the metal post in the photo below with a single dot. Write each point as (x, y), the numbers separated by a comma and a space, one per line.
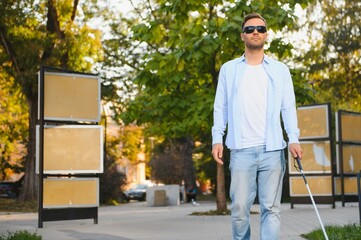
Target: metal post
(359, 193)
(41, 148)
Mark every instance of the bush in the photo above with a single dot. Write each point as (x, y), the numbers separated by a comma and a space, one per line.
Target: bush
(349, 232)
(21, 235)
(111, 182)
(14, 205)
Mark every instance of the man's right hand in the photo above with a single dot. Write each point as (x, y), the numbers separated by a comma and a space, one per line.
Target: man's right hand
(217, 152)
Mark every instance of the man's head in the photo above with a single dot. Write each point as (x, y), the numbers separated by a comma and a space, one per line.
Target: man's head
(252, 16)
(254, 31)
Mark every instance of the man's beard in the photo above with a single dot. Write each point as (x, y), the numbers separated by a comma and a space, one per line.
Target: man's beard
(252, 46)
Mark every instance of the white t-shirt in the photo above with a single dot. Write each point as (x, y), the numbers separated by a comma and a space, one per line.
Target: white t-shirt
(253, 105)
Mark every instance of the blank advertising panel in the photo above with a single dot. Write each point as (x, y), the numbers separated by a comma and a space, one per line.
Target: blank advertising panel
(313, 121)
(316, 157)
(319, 185)
(350, 186)
(351, 127)
(351, 158)
(71, 97)
(71, 192)
(70, 149)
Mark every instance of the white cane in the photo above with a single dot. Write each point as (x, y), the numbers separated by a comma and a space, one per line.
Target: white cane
(309, 192)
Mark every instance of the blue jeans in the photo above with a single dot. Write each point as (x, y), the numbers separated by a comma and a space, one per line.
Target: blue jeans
(255, 169)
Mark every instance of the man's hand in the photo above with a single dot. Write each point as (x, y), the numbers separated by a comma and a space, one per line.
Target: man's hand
(295, 150)
(217, 152)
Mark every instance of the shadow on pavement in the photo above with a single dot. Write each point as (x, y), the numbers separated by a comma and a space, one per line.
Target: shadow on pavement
(92, 236)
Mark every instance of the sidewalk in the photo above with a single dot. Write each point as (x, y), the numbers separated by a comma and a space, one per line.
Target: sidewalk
(136, 221)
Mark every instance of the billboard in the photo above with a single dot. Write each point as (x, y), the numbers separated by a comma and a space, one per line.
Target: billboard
(313, 121)
(70, 192)
(71, 149)
(71, 97)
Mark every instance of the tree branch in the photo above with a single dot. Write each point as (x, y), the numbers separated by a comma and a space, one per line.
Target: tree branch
(52, 24)
(75, 6)
(9, 49)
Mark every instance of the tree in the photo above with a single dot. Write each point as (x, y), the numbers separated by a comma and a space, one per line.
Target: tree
(131, 137)
(13, 127)
(112, 181)
(182, 46)
(52, 33)
(333, 61)
(169, 158)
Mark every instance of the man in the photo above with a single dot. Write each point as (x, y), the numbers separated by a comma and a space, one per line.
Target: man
(252, 91)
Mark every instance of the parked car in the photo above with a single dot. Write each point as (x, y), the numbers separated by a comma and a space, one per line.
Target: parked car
(137, 192)
(9, 189)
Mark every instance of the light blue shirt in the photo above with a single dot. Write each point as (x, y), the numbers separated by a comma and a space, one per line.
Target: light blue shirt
(280, 100)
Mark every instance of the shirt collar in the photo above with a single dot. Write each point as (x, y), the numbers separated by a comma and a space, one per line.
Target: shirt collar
(266, 59)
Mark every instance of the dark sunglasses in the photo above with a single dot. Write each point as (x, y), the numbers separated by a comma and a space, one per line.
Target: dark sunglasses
(250, 29)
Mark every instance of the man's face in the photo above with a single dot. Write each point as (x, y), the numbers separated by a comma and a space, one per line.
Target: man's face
(254, 40)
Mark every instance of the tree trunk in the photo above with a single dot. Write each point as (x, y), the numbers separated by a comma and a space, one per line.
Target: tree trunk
(186, 150)
(29, 190)
(221, 186)
(221, 189)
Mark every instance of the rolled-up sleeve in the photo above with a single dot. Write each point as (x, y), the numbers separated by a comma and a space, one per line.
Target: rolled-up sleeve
(220, 110)
(288, 109)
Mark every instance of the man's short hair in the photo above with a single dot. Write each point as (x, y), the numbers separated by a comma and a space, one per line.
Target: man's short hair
(251, 16)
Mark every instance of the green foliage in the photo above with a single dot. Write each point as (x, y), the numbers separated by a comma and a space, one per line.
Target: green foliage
(52, 33)
(170, 156)
(304, 93)
(349, 232)
(31, 37)
(131, 137)
(333, 61)
(172, 52)
(185, 45)
(13, 127)
(21, 235)
(111, 182)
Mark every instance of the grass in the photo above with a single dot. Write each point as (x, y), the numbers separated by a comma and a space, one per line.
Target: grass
(12, 205)
(21, 235)
(206, 197)
(347, 232)
(212, 213)
(216, 213)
